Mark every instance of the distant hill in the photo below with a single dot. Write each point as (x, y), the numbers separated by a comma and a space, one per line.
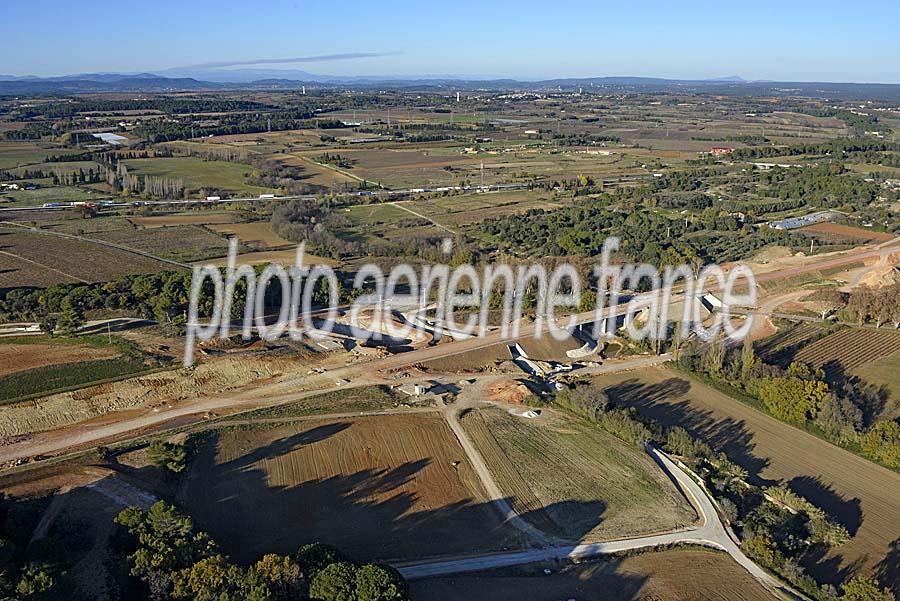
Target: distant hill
(101, 82)
(292, 79)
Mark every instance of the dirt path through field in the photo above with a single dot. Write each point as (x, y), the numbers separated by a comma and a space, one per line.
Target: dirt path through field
(496, 496)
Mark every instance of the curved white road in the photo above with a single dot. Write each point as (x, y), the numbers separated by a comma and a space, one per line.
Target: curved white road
(711, 533)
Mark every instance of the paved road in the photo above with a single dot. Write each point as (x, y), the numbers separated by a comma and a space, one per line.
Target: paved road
(710, 533)
(93, 326)
(112, 204)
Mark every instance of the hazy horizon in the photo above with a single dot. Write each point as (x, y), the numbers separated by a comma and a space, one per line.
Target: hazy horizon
(520, 40)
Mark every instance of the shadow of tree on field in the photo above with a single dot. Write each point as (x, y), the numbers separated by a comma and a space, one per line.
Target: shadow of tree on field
(380, 513)
(871, 399)
(664, 403)
(888, 571)
(831, 567)
(604, 580)
(846, 511)
(283, 446)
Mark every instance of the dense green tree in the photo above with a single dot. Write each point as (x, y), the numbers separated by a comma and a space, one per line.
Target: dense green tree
(882, 442)
(793, 399)
(283, 575)
(215, 579)
(379, 583)
(314, 557)
(864, 588)
(166, 541)
(34, 579)
(335, 582)
(168, 455)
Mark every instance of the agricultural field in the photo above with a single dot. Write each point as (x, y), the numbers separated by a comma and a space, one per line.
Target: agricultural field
(256, 234)
(199, 174)
(316, 175)
(21, 357)
(284, 257)
(849, 349)
(184, 243)
(861, 495)
(782, 347)
(46, 194)
(404, 168)
(883, 372)
(583, 483)
(208, 218)
(32, 259)
(15, 154)
(35, 365)
(672, 575)
(386, 487)
(475, 208)
(351, 400)
(85, 227)
(842, 233)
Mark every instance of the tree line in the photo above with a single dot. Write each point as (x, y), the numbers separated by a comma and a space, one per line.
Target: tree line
(175, 562)
(778, 527)
(845, 410)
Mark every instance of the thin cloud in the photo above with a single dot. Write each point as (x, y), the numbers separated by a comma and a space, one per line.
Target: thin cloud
(318, 58)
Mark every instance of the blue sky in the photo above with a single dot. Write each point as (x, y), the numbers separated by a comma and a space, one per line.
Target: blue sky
(799, 41)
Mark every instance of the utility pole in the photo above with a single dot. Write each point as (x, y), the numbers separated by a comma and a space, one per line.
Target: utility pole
(811, 242)
(269, 124)
(482, 175)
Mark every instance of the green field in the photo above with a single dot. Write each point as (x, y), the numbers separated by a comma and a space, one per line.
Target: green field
(198, 173)
(367, 215)
(884, 372)
(41, 381)
(590, 484)
(28, 198)
(61, 167)
(14, 154)
(363, 398)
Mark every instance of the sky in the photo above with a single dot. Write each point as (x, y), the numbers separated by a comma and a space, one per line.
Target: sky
(785, 40)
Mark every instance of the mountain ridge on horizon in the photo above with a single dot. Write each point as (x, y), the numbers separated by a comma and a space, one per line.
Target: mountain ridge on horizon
(188, 79)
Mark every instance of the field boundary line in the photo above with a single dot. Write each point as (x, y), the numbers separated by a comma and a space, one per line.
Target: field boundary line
(421, 216)
(33, 262)
(133, 251)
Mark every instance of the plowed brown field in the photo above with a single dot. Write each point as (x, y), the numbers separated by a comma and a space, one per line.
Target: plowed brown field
(863, 496)
(676, 575)
(19, 357)
(849, 349)
(386, 487)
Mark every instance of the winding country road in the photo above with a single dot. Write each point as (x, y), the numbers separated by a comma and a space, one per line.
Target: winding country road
(711, 533)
